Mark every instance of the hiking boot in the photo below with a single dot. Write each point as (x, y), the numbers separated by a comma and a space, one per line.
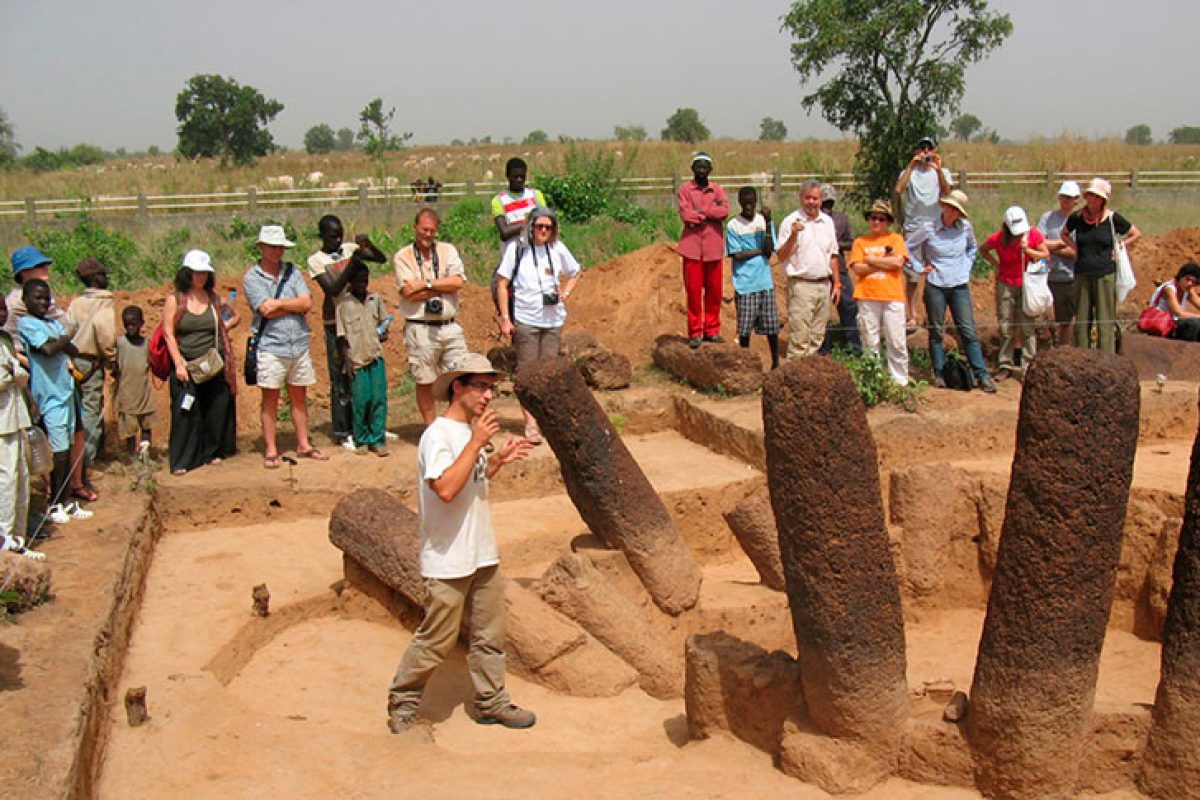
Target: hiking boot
(694, 342)
(509, 716)
(987, 384)
(938, 381)
(714, 339)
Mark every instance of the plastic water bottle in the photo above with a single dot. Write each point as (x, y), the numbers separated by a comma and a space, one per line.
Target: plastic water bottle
(227, 310)
(383, 326)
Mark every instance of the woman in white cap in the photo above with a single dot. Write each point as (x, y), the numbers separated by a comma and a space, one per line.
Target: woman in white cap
(1062, 260)
(1010, 250)
(1092, 232)
(202, 382)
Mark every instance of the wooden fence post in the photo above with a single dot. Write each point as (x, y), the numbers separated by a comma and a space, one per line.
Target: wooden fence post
(30, 210)
(962, 179)
(776, 187)
(362, 194)
(1133, 178)
(470, 188)
(143, 211)
(252, 200)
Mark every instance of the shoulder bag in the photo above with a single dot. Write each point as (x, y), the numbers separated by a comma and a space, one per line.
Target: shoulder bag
(250, 368)
(1126, 280)
(209, 365)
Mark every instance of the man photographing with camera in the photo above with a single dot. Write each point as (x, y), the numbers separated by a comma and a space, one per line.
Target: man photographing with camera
(922, 183)
(430, 274)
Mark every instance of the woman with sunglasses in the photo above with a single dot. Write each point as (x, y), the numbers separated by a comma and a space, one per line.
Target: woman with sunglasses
(535, 280)
(877, 261)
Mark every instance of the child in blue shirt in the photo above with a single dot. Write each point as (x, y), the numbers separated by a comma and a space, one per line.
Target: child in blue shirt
(47, 344)
(749, 243)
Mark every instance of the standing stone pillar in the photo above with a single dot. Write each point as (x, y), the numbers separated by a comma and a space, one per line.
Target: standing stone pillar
(1171, 764)
(608, 487)
(1035, 675)
(841, 580)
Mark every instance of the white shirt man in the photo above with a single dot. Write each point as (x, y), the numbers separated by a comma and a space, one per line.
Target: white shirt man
(809, 254)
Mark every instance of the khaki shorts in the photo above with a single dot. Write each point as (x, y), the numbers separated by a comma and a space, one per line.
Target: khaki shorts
(130, 425)
(275, 371)
(433, 349)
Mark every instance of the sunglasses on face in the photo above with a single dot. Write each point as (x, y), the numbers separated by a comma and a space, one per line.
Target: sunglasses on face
(543, 226)
(877, 218)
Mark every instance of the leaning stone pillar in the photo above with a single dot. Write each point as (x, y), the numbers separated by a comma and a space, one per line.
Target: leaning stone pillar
(607, 486)
(1171, 764)
(841, 580)
(1035, 675)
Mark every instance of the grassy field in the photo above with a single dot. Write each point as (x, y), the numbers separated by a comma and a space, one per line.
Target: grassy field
(144, 257)
(166, 175)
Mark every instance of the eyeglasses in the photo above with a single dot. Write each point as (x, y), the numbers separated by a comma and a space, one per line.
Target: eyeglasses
(481, 386)
(877, 218)
(543, 226)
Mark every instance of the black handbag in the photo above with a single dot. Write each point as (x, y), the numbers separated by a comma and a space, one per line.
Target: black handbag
(250, 367)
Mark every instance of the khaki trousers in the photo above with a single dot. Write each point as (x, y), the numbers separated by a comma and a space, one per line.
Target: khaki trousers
(808, 315)
(14, 485)
(1010, 315)
(481, 595)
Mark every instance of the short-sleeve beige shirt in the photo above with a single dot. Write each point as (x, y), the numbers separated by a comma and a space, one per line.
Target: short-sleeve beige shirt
(408, 268)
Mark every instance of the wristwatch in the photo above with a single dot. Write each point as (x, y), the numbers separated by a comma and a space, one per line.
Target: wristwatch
(429, 285)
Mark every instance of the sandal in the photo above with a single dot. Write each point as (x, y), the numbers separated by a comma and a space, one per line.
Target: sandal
(16, 544)
(314, 453)
(271, 462)
(533, 435)
(84, 493)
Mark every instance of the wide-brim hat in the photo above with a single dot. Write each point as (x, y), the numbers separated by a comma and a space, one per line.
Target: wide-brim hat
(881, 207)
(24, 258)
(274, 235)
(956, 198)
(470, 364)
(198, 261)
(1099, 187)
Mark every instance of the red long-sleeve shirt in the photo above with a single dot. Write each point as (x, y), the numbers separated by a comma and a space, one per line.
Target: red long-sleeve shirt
(702, 211)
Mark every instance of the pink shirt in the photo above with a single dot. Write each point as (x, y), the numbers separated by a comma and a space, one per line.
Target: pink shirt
(1012, 258)
(702, 212)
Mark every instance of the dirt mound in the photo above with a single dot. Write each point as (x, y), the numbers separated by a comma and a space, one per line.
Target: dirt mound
(1158, 258)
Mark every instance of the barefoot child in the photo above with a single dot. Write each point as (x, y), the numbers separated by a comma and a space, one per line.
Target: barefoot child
(135, 401)
(749, 243)
(361, 325)
(14, 470)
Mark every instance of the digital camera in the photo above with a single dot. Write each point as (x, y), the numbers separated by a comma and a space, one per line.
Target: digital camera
(434, 306)
(550, 298)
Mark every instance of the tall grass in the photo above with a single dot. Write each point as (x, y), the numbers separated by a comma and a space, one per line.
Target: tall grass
(165, 175)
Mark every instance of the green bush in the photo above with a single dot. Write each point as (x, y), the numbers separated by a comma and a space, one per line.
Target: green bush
(86, 239)
(873, 383)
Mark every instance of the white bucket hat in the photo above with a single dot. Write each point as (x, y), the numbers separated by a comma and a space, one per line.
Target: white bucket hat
(1016, 221)
(1069, 189)
(274, 235)
(198, 261)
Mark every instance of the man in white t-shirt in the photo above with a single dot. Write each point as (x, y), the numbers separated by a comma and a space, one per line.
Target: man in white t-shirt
(459, 558)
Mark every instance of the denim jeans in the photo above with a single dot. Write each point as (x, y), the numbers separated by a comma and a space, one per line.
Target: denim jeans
(847, 326)
(958, 300)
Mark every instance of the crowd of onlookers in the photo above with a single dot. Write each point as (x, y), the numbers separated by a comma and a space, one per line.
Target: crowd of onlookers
(54, 361)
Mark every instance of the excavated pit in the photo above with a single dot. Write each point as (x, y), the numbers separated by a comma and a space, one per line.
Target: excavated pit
(294, 704)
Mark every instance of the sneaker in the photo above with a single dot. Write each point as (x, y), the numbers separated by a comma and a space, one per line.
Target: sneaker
(509, 716)
(938, 381)
(694, 342)
(391, 437)
(714, 339)
(379, 450)
(987, 384)
(58, 514)
(348, 443)
(76, 511)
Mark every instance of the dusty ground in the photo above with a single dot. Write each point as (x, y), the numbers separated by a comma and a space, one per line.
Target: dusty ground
(304, 716)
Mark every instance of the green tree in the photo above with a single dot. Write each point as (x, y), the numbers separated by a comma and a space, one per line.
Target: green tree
(1138, 134)
(345, 140)
(1184, 134)
(891, 70)
(771, 130)
(536, 137)
(320, 139)
(375, 131)
(8, 141)
(685, 125)
(966, 126)
(631, 133)
(220, 119)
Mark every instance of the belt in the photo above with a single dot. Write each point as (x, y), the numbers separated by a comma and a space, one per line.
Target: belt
(435, 323)
(826, 279)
